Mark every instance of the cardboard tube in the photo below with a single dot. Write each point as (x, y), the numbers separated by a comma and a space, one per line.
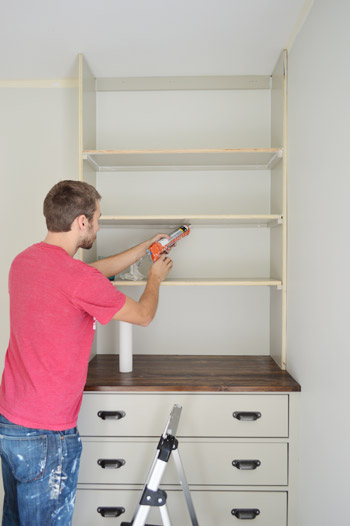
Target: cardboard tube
(125, 347)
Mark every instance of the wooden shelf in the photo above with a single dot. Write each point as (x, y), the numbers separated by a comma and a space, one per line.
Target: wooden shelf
(258, 220)
(161, 373)
(205, 282)
(189, 159)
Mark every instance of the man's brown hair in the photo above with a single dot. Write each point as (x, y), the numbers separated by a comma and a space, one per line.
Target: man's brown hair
(66, 201)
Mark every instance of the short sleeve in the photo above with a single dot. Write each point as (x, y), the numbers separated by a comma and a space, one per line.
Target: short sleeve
(98, 297)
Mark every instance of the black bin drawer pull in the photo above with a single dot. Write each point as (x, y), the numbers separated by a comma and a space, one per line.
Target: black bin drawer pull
(246, 416)
(111, 415)
(246, 464)
(111, 463)
(110, 512)
(245, 513)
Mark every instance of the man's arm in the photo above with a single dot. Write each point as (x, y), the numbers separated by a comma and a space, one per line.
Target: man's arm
(143, 311)
(113, 265)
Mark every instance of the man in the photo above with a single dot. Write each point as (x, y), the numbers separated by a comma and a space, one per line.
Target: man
(55, 301)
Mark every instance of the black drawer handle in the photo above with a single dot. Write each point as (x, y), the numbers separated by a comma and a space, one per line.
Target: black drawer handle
(246, 464)
(244, 513)
(110, 512)
(111, 415)
(111, 463)
(246, 416)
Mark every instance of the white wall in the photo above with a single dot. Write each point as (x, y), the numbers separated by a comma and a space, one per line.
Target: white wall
(38, 147)
(319, 258)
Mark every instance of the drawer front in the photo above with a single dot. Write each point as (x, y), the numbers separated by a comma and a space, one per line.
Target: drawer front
(211, 463)
(212, 507)
(220, 415)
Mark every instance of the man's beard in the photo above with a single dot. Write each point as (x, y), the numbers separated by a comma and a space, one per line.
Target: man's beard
(87, 242)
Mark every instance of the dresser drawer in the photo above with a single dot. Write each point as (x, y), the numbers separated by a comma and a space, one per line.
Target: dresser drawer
(212, 507)
(221, 415)
(204, 462)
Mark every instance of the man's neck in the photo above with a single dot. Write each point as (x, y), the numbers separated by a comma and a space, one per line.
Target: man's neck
(64, 240)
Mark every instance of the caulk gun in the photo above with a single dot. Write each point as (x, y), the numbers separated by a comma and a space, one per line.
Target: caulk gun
(158, 247)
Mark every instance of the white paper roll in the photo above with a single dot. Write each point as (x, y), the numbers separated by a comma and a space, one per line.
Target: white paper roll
(125, 347)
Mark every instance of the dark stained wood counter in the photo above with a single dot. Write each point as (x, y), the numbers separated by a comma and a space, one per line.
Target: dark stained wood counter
(189, 373)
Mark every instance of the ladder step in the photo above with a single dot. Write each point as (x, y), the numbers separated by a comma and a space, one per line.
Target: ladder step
(156, 497)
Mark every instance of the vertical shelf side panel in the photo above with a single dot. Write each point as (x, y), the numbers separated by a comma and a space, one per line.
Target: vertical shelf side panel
(278, 255)
(87, 140)
(87, 134)
(87, 106)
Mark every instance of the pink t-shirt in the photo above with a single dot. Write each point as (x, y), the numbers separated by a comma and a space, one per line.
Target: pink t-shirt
(55, 301)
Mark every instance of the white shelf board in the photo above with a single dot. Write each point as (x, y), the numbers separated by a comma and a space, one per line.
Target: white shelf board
(189, 159)
(245, 282)
(258, 220)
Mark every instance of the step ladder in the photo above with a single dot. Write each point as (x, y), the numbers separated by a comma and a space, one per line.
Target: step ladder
(152, 496)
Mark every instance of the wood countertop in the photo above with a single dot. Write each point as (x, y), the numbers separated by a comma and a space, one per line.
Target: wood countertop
(189, 373)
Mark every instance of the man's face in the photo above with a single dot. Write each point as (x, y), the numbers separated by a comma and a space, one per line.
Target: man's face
(93, 227)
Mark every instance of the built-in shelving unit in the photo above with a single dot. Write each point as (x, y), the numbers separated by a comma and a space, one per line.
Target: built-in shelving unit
(213, 186)
(218, 343)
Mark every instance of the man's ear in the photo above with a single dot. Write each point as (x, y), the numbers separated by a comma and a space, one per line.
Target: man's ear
(81, 222)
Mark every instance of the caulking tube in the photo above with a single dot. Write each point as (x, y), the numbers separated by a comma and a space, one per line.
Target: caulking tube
(158, 247)
(125, 347)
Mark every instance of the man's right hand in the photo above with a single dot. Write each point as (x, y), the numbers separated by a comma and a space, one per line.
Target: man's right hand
(143, 311)
(161, 268)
